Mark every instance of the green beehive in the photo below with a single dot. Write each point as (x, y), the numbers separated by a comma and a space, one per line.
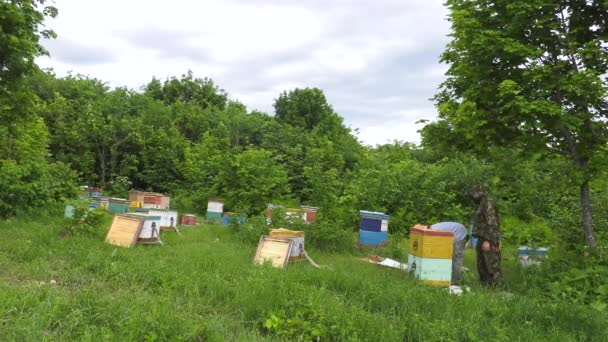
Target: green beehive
(118, 206)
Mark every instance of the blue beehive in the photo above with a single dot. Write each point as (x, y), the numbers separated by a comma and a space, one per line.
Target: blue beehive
(373, 230)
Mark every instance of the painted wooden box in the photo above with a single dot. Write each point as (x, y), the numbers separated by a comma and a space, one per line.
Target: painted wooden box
(168, 218)
(215, 208)
(69, 211)
(124, 230)
(529, 256)
(372, 239)
(430, 255)
(104, 202)
(310, 213)
(188, 220)
(118, 206)
(373, 229)
(150, 230)
(297, 238)
(152, 200)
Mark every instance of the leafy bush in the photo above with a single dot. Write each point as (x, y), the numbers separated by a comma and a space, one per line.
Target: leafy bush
(310, 324)
(250, 231)
(85, 221)
(535, 233)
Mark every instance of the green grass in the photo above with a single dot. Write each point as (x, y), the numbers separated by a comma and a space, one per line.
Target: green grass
(202, 286)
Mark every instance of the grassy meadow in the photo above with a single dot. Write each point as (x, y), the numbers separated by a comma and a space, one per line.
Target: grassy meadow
(202, 286)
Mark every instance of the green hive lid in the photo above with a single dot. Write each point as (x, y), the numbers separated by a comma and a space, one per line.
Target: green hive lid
(145, 217)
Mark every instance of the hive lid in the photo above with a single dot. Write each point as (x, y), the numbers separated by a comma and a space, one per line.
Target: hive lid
(275, 250)
(285, 232)
(374, 214)
(426, 230)
(144, 216)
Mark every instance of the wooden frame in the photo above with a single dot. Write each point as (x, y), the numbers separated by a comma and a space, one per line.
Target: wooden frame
(124, 234)
(275, 250)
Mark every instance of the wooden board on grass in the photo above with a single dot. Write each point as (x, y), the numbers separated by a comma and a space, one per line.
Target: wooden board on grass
(124, 231)
(275, 250)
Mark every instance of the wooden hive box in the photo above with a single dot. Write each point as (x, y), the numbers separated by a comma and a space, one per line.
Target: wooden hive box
(430, 255)
(150, 229)
(529, 256)
(124, 230)
(165, 201)
(275, 250)
(188, 220)
(297, 238)
(310, 213)
(152, 200)
(118, 206)
(168, 218)
(136, 199)
(373, 229)
(215, 208)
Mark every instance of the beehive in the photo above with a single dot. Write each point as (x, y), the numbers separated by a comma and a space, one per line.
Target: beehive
(69, 211)
(152, 200)
(104, 202)
(165, 201)
(188, 220)
(168, 218)
(297, 238)
(529, 256)
(136, 199)
(373, 230)
(215, 208)
(150, 229)
(124, 230)
(430, 255)
(310, 213)
(118, 206)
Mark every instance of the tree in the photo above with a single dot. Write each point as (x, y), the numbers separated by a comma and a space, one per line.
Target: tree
(531, 73)
(20, 37)
(304, 108)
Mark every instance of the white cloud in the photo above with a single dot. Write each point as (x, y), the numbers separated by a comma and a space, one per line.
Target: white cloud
(376, 61)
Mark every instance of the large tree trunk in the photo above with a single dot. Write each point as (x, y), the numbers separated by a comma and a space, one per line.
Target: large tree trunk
(587, 214)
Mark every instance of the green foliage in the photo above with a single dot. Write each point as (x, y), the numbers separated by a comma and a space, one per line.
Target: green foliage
(304, 108)
(27, 180)
(255, 179)
(20, 35)
(202, 285)
(120, 186)
(85, 221)
(536, 232)
(531, 74)
(310, 324)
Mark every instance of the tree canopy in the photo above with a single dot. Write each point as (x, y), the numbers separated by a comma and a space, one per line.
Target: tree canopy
(531, 74)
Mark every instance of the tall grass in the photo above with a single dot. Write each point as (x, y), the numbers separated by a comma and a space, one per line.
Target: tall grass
(202, 286)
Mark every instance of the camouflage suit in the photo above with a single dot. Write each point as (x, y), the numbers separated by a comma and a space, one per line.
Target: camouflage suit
(487, 228)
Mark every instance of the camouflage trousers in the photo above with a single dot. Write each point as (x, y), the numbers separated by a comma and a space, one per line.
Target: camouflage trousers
(458, 260)
(488, 264)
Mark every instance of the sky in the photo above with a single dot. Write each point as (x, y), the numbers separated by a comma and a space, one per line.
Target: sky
(376, 61)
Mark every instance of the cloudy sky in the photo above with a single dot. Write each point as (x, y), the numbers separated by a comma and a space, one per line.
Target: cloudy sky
(377, 61)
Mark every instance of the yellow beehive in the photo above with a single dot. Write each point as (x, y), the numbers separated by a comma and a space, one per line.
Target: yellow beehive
(430, 255)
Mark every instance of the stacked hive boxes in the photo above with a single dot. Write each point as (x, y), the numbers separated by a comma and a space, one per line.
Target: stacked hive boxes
(215, 208)
(136, 199)
(93, 195)
(430, 255)
(374, 229)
